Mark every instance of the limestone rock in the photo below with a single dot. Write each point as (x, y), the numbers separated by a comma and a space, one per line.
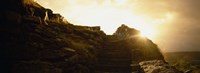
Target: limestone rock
(157, 66)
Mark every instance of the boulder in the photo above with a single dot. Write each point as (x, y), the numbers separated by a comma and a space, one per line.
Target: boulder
(136, 68)
(55, 18)
(157, 66)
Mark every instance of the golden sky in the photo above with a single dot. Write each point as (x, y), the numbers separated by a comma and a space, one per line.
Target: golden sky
(172, 24)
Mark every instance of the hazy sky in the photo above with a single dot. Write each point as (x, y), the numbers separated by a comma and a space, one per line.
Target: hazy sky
(172, 24)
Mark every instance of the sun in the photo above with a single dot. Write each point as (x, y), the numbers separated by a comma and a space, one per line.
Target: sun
(148, 34)
(110, 14)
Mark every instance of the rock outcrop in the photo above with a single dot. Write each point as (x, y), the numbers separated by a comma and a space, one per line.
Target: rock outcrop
(29, 45)
(157, 66)
(124, 50)
(36, 40)
(143, 48)
(124, 32)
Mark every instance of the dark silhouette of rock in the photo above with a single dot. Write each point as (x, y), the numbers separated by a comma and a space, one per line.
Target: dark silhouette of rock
(142, 47)
(36, 40)
(122, 52)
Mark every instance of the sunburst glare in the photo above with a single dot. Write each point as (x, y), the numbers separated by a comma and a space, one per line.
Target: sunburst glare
(109, 14)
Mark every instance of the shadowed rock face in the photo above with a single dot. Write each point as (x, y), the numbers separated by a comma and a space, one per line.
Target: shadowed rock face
(30, 44)
(122, 52)
(143, 48)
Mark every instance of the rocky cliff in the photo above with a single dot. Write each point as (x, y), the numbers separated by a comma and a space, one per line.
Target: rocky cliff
(36, 40)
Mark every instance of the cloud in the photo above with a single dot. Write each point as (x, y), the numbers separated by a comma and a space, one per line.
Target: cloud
(182, 34)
